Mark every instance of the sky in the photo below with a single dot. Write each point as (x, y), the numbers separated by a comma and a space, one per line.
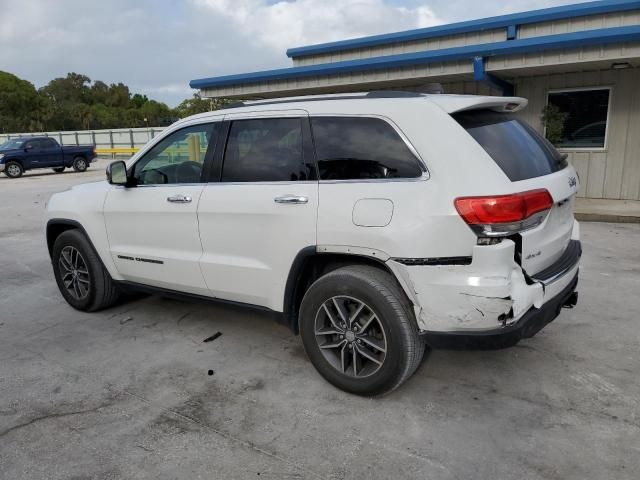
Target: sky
(157, 46)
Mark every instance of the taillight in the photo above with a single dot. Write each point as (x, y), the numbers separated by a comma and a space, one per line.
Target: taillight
(500, 215)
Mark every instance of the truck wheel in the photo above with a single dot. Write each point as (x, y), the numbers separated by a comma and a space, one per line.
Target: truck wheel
(58, 169)
(13, 169)
(359, 330)
(80, 164)
(82, 279)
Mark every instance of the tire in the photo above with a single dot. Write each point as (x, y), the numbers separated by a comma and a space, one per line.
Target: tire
(58, 169)
(80, 164)
(90, 288)
(13, 169)
(386, 321)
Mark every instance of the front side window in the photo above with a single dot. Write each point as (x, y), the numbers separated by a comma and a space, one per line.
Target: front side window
(266, 150)
(578, 118)
(177, 158)
(353, 148)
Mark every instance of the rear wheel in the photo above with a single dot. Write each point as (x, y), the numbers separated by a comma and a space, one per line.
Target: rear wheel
(58, 169)
(82, 279)
(359, 330)
(13, 169)
(80, 164)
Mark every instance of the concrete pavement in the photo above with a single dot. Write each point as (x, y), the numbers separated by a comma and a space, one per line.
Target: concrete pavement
(133, 392)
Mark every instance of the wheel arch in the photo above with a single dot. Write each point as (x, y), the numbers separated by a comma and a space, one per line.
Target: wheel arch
(57, 226)
(17, 160)
(309, 265)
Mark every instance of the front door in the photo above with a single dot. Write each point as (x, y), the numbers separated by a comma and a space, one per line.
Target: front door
(260, 209)
(153, 227)
(37, 154)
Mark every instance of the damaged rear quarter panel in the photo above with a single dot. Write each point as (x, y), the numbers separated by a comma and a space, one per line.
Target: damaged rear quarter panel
(469, 297)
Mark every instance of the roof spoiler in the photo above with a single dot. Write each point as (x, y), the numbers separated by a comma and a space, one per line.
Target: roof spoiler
(459, 103)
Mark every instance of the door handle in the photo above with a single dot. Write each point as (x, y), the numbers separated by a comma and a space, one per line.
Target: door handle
(179, 199)
(295, 199)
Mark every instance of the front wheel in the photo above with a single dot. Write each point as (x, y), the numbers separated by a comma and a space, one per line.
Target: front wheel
(82, 279)
(13, 169)
(80, 164)
(359, 330)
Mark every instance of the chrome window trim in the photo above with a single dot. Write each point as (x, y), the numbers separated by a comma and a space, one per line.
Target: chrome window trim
(423, 178)
(267, 182)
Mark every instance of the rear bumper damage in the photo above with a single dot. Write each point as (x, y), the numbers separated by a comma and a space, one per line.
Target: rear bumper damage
(492, 295)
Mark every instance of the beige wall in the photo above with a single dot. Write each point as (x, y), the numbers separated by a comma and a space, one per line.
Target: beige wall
(612, 172)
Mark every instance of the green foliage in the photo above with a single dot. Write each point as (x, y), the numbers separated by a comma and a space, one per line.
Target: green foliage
(553, 120)
(20, 105)
(197, 104)
(75, 103)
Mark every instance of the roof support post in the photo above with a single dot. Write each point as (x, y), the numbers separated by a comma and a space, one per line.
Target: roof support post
(480, 75)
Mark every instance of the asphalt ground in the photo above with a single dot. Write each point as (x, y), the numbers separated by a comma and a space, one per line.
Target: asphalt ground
(133, 392)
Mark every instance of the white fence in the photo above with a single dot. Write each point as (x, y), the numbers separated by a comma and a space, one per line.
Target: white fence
(115, 141)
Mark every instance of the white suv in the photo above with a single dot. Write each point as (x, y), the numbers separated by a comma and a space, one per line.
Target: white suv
(374, 224)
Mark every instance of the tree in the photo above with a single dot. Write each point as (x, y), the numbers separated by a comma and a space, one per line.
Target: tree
(553, 120)
(75, 102)
(20, 105)
(193, 105)
(197, 104)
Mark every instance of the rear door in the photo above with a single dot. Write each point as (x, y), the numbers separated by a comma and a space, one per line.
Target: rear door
(153, 227)
(529, 162)
(260, 208)
(51, 153)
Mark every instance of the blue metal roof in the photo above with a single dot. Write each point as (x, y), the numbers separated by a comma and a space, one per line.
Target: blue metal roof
(547, 14)
(509, 47)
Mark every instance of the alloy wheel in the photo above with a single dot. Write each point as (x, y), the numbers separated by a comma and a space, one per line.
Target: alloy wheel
(350, 336)
(74, 272)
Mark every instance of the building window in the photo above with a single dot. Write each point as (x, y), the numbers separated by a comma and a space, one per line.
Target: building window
(577, 118)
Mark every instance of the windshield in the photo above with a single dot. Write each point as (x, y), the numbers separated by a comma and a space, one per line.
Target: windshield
(517, 148)
(12, 144)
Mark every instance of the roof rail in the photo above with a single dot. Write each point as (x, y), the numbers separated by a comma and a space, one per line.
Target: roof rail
(347, 96)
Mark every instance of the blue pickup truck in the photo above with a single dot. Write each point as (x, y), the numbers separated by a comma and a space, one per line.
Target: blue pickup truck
(26, 153)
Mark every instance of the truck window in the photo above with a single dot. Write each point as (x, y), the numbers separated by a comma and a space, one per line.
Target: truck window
(519, 150)
(266, 150)
(178, 158)
(361, 148)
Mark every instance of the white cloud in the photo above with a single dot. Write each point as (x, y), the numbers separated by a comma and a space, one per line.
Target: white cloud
(284, 24)
(156, 47)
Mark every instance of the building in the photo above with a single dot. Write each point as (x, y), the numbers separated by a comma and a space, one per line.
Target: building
(578, 65)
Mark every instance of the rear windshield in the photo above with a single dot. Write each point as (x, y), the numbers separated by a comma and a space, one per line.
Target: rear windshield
(517, 148)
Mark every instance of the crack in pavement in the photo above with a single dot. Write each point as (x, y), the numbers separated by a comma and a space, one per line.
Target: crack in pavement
(51, 415)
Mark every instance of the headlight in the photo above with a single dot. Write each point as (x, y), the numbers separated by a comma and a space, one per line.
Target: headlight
(1, 156)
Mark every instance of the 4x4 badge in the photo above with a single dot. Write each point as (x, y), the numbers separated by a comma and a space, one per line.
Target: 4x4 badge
(572, 181)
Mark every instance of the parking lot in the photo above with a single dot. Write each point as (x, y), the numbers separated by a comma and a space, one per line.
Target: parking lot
(134, 392)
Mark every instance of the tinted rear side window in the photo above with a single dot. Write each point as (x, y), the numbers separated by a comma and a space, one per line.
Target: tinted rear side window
(266, 150)
(517, 148)
(350, 148)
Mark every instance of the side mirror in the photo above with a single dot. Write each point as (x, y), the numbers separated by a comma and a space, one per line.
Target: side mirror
(117, 173)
